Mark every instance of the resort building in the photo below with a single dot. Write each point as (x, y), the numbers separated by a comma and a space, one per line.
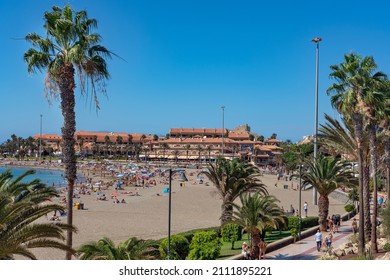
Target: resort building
(198, 145)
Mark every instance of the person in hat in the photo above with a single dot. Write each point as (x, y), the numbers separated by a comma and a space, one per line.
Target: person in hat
(244, 248)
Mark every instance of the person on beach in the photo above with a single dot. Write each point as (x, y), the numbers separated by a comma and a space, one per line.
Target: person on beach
(318, 239)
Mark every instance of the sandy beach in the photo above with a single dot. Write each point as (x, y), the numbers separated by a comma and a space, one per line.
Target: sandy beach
(145, 215)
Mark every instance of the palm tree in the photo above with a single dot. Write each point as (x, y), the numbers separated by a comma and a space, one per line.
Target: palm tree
(119, 141)
(374, 112)
(257, 212)
(353, 78)
(232, 178)
(338, 139)
(164, 146)
(21, 207)
(129, 143)
(187, 147)
(69, 46)
(131, 249)
(327, 174)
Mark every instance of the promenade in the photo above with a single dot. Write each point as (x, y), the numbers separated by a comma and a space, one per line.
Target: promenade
(306, 248)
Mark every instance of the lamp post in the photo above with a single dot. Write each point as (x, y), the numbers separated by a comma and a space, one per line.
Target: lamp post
(223, 128)
(300, 201)
(169, 213)
(40, 139)
(317, 41)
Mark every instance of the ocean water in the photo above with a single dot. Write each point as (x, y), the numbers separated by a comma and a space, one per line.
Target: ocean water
(49, 177)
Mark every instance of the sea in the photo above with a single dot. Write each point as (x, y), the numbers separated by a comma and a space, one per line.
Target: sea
(49, 177)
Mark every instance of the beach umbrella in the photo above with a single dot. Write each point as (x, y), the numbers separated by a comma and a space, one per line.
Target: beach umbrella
(183, 177)
(166, 190)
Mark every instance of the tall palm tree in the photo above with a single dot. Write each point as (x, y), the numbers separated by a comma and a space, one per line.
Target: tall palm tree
(119, 141)
(21, 207)
(353, 78)
(338, 139)
(327, 174)
(131, 249)
(129, 143)
(187, 147)
(232, 178)
(375, 111)
(69, 48)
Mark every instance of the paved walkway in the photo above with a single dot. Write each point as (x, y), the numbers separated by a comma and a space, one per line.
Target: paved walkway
(306, 249)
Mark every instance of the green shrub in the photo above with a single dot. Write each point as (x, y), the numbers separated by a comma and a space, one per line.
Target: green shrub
(231, 233)
(205, 245)
(179, 248)
(386, 247)
(294, 232)
(309, 222)
(349, 207)
(190, 234)
(293, 222)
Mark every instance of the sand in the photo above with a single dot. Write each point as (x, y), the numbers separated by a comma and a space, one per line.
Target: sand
(146, 216)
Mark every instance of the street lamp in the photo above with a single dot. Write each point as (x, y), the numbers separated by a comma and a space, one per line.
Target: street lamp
(183, 178)
(169, 213)
(300, 201)
(317, 41)
(223, 128)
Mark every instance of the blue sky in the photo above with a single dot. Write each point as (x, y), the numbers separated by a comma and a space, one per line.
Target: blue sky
(182, 60)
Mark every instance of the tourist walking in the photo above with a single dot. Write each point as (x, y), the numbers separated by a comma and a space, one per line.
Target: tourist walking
(305, 206)
(330, 224)
(354, 226)
(318, 239)
(328, 240)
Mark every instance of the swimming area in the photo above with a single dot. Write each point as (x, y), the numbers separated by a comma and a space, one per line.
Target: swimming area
(49, 177)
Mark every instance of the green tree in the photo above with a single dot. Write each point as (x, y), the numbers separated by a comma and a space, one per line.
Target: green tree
(256, 212)
(353, 79)
(231, 233)
(327, 174)
(22, 205)
(179, 248)
(231, 178)
(131, 249)
(205, 245)
(375, 111)
(69, 48)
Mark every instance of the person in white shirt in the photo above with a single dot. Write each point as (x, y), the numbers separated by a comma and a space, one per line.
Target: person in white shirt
(318, 239)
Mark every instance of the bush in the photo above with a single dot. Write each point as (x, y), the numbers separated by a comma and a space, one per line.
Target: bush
(309, 222)
(293, 222)
(179, 248)
(205, 245)
(231, 232)
(349, 207)
(386, 247)
(190, 234)
(294, 232)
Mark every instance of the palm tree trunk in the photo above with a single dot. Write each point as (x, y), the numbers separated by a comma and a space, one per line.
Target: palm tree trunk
(374, 169)
(358, 125)
(67, 85)
(387, 158)
(323, 211)
(366, 198)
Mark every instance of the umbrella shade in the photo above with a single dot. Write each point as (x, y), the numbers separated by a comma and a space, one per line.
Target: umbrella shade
(166, 190)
